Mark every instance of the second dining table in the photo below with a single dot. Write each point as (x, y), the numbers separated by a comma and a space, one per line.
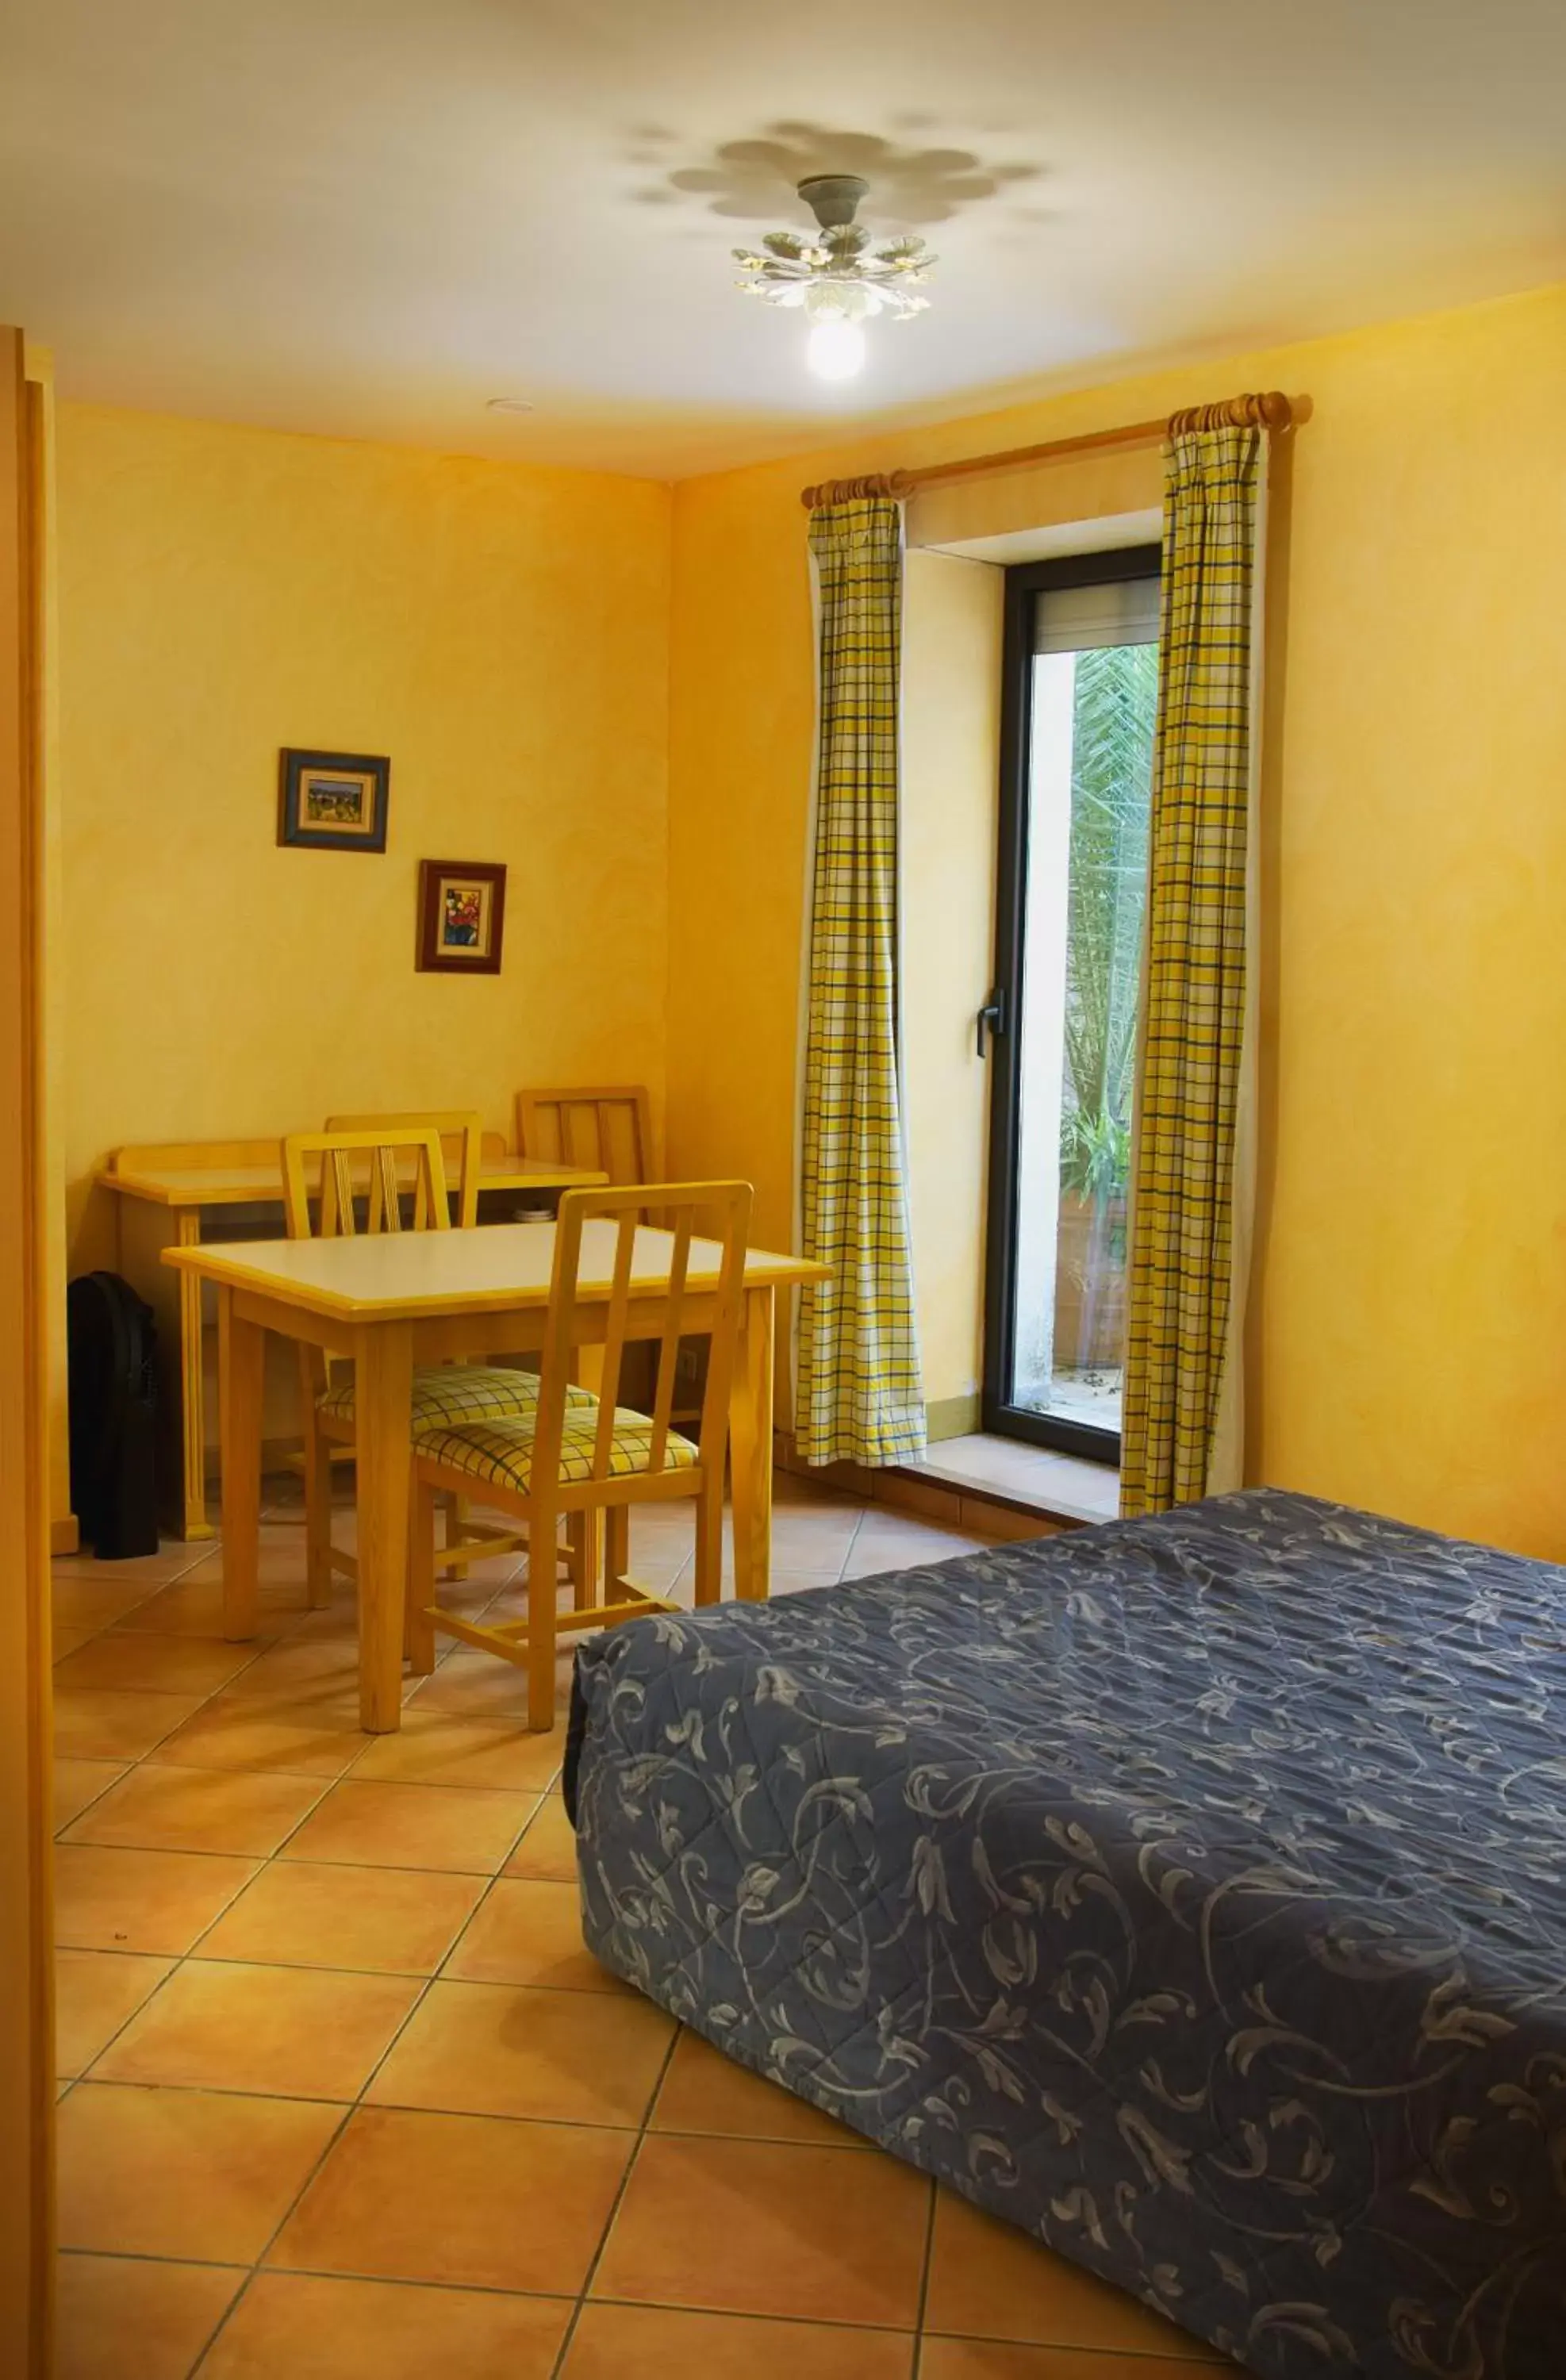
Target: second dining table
(398, 1299)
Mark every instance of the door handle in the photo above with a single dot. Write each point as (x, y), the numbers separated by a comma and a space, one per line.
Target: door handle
(993, 1017)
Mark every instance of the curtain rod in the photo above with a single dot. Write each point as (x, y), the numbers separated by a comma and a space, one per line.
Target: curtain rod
(1268, 410)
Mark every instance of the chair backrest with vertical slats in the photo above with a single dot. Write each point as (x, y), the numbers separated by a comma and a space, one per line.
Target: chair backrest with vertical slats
(462, 1146)
(648, 1263)
(375, 1162)
(603, 1130)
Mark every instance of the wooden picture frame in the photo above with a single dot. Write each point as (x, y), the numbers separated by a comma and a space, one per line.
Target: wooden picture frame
(333, 801)
(461, 915)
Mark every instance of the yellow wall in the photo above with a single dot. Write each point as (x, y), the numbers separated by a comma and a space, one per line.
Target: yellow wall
(500, 632)
(511, 636)
(1411, 1311)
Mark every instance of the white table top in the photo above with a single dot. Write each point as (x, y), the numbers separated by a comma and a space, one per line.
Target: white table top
(386, 1276)
(245, 1185)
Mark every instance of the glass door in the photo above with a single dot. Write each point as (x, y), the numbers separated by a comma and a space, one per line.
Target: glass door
(1080, 706)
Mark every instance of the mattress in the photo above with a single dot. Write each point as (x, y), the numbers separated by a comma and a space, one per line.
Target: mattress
(1190, 1891)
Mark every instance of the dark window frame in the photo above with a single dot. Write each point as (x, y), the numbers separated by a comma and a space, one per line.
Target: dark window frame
(1025, 582)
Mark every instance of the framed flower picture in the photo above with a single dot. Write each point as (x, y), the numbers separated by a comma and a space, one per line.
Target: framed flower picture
(461, 915)
(333, 801)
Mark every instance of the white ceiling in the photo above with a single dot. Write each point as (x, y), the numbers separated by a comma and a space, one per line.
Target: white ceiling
(366, 218)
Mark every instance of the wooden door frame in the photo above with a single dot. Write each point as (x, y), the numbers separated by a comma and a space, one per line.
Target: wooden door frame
(27, 2084)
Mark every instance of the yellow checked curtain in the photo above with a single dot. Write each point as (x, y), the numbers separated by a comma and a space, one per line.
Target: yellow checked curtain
(859, 1393)
(1195, 1105)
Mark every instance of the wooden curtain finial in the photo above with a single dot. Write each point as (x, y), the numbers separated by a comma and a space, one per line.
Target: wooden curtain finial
(1259, 409)
(896, 484)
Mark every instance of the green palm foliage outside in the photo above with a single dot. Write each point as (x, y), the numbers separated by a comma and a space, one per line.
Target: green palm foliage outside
(1114, 714)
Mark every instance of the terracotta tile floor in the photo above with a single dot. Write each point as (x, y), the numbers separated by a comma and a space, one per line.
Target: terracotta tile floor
(343, 2094)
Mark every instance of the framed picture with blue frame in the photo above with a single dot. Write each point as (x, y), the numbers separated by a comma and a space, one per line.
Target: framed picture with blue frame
(333, 801)
(461, 915)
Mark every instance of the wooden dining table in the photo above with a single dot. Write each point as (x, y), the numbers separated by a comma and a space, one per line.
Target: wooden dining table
(397, 1299)
(178, 1194)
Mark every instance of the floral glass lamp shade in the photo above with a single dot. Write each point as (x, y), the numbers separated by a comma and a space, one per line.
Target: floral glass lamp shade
(836, 277)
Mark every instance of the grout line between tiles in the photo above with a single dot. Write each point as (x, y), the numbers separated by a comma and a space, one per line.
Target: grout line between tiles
(296, 1629)
(399, 1867)
(262, 1861)
(463, 1931)
(330, 1967)
(803, 2323)
(348, 2112)
(424, 1981)
(791, 2321)
(155, 1587)
(597, 2258)
(179, 1960)
(105, 2046)
(924, 2285)
(145, 2256)
(181, 1769)
(393, 2281)
(202, 1701)
(357, 1866)
(352, 2107)
(401, 2108)
(125, 1772)
(493, 2289)
(242, 2292)
(390, 2280)
(212, 2336)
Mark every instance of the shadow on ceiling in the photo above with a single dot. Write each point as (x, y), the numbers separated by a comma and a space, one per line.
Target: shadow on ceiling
(753, 181)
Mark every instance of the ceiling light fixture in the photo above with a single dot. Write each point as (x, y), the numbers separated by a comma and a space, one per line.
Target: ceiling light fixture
(836, 277)
(507, 405)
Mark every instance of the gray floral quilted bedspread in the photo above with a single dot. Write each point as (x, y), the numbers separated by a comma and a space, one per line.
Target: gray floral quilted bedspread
(1191, 1891)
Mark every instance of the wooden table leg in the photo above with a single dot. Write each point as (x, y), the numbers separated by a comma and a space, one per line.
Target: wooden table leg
(616, 1550)
(383, 1429)
(192, 1391)
(750, 1449)
(241, 1361)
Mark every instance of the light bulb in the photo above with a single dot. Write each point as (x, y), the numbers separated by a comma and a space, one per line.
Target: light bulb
(836, 348)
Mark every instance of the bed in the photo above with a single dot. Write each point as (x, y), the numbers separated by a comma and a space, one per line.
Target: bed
(1190, 1891)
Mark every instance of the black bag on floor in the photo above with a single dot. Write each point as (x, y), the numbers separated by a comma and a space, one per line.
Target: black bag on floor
(112, 1345)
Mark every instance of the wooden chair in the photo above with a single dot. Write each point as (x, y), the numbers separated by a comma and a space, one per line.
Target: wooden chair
(383, 1164)
(605, 1131)
(464, 1145)
(559, 1461)
(609, 1130)
(461, 1138)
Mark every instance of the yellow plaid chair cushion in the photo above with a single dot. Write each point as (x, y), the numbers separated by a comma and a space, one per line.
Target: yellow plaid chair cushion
(458, 1393)
(499, 1454)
